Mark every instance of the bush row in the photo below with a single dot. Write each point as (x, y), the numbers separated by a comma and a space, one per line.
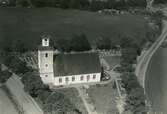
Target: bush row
(93, 5)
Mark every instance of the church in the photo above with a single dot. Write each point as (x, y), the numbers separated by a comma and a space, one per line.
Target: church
(64, 69)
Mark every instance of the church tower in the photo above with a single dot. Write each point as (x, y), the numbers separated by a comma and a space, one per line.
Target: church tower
(45, 61)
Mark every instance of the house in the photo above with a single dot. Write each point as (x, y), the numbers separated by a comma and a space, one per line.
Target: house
(64, 69)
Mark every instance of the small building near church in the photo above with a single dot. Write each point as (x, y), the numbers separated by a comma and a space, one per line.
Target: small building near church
(64, 69)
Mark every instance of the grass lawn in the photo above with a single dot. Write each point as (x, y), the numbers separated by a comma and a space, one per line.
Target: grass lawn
(28, 24)
(73, 95)
(103, 98)
(112, 60)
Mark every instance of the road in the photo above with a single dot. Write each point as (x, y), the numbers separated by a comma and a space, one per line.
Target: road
(24, 100)
(142, 65)
(6, 106)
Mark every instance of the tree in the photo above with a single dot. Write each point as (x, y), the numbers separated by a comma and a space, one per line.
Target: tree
(39, 3)
(79, 43)
(157, 17)
(58, 103)
(23, 3)
(96, 5)
(129, 81)
(137, 3)
(103, 43)
(33, 83)
(129, 56)
(62, 45)
(16, 65)
(64, 4)
(136, 101)
(84, 4)
(159, 1)
(4, 76)
(74, 4)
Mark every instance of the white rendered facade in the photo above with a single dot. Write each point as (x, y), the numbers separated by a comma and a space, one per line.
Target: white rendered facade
(77, 79)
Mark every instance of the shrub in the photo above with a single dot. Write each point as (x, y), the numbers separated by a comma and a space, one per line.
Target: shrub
(57, 103)
(4, 76)
(33, 83)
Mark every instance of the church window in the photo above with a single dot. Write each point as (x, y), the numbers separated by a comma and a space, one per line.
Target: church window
(94, 76)
(88, 77)
(73, 78)
(60, 80)
(46, 65)
(46, 55)
(67, 79)
(81, 78)
(45, 39)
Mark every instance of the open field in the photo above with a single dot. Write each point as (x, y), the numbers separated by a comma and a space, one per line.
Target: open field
(73, 95)
(103, 98)
(28, 24)
(6, 106)
(155, 82)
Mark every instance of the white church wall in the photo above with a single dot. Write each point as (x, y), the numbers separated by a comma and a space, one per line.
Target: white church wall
(45, 63)
(47, 78)
(77, 79)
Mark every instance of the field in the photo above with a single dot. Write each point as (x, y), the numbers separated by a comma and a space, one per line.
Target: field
(29, 24)
(103, 98)
(155, 82)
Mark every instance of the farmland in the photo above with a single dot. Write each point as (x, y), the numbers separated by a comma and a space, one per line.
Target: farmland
(28, 25)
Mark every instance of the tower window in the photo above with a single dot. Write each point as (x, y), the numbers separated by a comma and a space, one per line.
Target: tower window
(46, 75)
(46, 55)
(46, 65)
(45, 39)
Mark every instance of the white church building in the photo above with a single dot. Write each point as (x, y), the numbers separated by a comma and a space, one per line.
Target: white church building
(64, 69)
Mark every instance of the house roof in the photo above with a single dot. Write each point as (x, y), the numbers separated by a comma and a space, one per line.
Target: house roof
(74, 64)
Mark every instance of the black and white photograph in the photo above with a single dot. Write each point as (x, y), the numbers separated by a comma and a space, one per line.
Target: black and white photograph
(83, 56)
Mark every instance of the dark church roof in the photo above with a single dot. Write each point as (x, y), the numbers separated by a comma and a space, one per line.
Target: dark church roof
(74, 64)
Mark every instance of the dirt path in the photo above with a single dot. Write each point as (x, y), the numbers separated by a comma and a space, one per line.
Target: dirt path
(89, 107)
(6, 106)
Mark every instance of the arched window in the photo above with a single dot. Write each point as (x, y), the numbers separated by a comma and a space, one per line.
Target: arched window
(60, 80)
(94, 76)
(46, 55)
(73, 78)
(66, 79)
(88, 77)
(81, 78)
